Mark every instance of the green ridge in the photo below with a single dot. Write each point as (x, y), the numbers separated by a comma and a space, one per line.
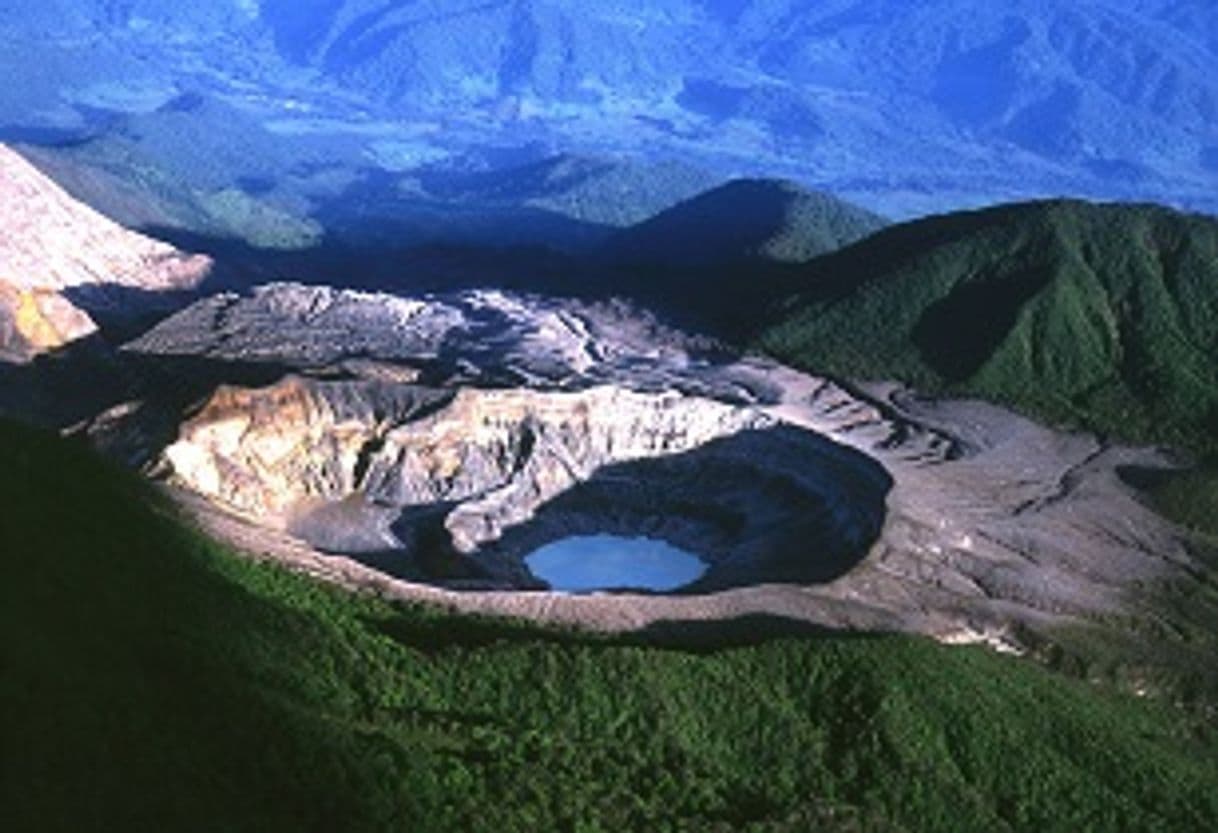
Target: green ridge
(751, 221)
(1099, 316)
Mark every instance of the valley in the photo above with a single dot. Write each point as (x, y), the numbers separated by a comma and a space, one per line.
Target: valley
(563, 121)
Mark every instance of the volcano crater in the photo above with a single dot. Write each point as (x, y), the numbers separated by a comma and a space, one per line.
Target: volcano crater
(459, 488)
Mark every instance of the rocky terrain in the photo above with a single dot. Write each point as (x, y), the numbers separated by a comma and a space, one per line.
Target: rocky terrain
(60, 259)
(460, 432)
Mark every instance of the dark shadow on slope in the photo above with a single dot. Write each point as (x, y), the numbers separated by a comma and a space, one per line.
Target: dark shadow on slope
(139, 680)
(729, 300)
(714, 263)
(15, 134)
(398, 268)
(777, 505)
(382, 208)
(433, 633)
(63, 387)
(123, 313)
(751, 222)
(74, 388)
(725, 300)
(959, 333)
(731, 223)
(534, 178)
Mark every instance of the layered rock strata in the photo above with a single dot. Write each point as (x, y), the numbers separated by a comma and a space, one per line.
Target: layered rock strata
(362, 466)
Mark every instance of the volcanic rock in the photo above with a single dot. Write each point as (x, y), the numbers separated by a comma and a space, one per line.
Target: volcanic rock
(542, 419)
(59, 258)
(305, 454)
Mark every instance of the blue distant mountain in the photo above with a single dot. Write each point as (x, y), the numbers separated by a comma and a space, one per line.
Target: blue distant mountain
(903, 107)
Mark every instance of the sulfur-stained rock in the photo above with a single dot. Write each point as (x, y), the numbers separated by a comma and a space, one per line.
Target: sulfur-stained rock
(58, 256)
(35, 320)
(266, 451)
(495, 454)
(484, 474)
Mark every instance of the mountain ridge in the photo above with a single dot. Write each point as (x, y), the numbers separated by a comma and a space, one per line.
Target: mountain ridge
(904, 109)
(774, 221)
(1097, 314)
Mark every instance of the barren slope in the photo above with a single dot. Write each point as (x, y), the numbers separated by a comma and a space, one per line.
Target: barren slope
(59, 258)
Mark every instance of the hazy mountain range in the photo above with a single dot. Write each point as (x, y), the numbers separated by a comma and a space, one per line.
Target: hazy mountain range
(903, 108)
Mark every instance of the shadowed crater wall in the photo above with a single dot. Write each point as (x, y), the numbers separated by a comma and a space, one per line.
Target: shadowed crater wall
(457, 488)
(767, 505)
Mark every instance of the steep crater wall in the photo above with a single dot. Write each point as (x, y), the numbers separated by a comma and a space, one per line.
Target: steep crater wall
(457, 487)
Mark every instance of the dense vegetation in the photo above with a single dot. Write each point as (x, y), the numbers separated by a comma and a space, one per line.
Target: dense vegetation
(1095, 315)
(151, 680)
(1187, 496)
(898, 103)
(745, 220)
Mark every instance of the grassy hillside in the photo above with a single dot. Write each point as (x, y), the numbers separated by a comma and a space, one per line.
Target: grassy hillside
(1104, 316)
(152, 681)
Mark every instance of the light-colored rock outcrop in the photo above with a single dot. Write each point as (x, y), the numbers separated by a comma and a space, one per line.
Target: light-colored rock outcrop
(55, 250)
(33, 321)
(496, 456)
(266, 450)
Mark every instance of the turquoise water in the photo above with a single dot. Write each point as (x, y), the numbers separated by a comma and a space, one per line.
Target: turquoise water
(584, 563)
